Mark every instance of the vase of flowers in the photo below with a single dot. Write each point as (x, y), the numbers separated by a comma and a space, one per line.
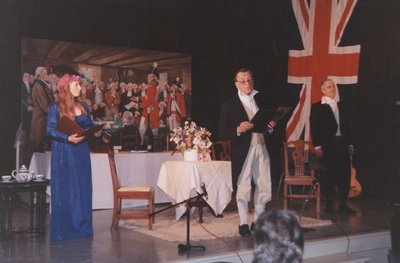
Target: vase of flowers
(191, 155)
(192, 140)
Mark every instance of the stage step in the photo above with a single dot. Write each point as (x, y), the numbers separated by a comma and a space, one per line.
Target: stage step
(337, 258)
(370, 247)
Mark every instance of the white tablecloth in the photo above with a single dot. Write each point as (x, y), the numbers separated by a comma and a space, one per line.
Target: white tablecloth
(179, 180)
(133, 169)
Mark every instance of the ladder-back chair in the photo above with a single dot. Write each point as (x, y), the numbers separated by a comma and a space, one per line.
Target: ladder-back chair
(298, 174)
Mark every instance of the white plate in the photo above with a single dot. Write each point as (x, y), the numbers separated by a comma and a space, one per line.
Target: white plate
(6, 182)
(36, 180)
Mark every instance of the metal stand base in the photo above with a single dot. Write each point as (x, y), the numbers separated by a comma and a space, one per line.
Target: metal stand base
(181, 247)
(186, 248)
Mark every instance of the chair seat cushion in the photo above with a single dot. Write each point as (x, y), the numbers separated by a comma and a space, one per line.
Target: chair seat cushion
(139, 188)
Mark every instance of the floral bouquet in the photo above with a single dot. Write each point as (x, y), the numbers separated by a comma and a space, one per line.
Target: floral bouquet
(192, 137)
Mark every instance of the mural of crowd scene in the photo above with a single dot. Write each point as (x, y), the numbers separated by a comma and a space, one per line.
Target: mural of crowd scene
(139, 95)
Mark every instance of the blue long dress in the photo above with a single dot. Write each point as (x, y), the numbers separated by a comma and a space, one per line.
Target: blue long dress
(71, 181)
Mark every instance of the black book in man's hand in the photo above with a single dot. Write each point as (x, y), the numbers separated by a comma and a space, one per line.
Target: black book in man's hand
(262, 117)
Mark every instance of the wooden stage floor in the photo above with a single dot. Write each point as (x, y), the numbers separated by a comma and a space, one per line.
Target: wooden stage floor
(126, 245)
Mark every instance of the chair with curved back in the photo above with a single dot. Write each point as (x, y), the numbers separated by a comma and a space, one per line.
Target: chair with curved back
(298, 174)
(222, 149)
(145, 192)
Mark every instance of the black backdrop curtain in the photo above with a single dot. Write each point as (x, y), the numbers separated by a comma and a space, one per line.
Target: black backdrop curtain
(222, 36)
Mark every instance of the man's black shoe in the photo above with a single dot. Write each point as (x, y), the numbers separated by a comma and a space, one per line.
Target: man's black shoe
(252, 227)
(344, 208)
(244, 230)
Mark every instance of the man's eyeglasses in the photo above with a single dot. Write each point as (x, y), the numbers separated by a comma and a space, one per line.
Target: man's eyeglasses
(242, 82)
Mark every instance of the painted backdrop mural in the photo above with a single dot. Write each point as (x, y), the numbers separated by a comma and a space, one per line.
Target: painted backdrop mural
(146, 90)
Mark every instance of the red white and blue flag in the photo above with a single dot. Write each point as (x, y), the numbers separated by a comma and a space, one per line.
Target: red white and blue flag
(323, 45)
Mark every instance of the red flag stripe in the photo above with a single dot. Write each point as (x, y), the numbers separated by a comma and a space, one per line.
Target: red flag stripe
(343, 21)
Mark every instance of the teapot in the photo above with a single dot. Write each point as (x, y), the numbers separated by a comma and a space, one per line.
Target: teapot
(22, 175)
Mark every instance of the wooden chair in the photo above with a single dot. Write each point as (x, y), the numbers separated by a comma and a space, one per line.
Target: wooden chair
(129, 192)
(129, 137)
(297, 174)
(222, 149)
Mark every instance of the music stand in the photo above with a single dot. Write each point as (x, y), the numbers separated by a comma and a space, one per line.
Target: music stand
(306, 200)
(182, 248)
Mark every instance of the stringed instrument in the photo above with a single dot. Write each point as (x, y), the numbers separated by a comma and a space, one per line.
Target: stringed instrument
(355, 186)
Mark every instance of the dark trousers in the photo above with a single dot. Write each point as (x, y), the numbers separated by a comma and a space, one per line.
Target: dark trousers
(336, 173)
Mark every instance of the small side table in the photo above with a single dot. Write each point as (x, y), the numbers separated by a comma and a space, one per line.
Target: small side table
(36, 189)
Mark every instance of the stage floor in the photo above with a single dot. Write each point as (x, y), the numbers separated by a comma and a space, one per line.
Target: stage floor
(126, 245)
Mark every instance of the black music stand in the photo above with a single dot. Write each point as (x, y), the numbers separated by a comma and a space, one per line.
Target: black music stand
(312, 188)
(182, 248)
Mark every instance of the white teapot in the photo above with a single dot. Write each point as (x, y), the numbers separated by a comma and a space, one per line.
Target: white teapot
(22, 175)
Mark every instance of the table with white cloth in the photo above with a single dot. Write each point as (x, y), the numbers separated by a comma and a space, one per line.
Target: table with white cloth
(133, 168)
(181, 180)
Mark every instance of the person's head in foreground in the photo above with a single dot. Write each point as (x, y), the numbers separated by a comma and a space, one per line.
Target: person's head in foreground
(278, 238)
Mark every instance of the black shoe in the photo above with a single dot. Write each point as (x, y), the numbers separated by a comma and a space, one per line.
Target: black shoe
(344, 208)
(252, 227)
(244, 230)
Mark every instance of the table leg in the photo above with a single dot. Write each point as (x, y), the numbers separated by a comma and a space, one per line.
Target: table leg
(41, 210)
(9, 212)
(31, 210)
(2, 213)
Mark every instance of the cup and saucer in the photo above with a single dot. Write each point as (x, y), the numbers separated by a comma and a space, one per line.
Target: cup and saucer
(39, 178)
(6, 179)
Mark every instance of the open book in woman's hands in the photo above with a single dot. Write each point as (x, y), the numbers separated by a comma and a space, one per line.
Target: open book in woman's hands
(68, 126)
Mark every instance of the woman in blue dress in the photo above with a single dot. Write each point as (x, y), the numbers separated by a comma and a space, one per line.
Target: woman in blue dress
(71, 179)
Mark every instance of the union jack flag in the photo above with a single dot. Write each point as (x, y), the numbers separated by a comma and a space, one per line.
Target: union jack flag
(324, 44)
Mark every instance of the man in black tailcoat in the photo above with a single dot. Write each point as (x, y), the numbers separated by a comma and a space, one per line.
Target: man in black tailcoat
(250, 158)
(331, 123)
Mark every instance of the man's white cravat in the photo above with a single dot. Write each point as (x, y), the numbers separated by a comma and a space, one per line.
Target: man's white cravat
(333, 104)
(248, 101)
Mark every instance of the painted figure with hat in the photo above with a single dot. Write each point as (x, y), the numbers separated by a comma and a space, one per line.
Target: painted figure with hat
(149, 104)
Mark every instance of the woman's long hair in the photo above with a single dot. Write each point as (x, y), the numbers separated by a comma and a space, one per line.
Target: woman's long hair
(67, 102)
